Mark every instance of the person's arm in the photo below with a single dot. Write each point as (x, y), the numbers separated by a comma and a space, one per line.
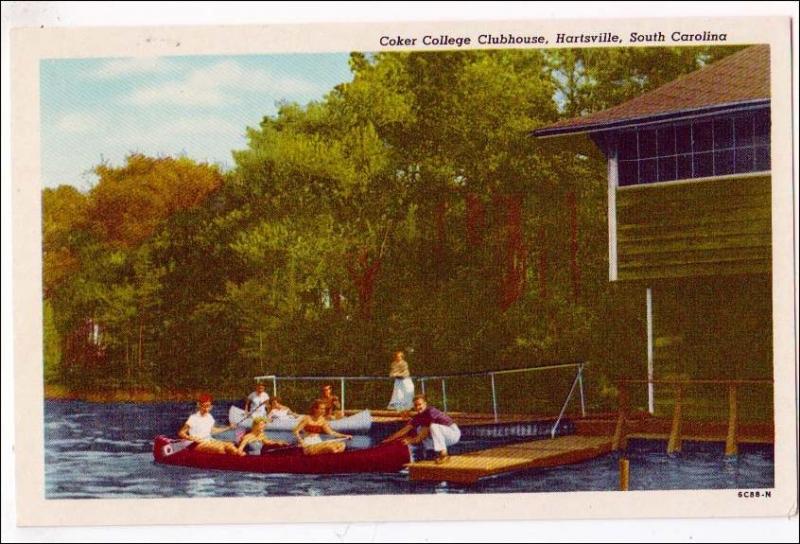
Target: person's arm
(299, 428)
(421, 435)
(328, 430)
(184, 433)
(246, 439)
(399, 434)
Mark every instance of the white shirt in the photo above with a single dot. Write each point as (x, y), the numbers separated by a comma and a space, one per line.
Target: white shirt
(200, 426)
(256, 399)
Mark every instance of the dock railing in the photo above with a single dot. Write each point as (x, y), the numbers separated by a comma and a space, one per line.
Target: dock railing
(442, 378)
(675, 436)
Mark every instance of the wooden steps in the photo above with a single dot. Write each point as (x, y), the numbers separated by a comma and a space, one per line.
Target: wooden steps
(470, 467)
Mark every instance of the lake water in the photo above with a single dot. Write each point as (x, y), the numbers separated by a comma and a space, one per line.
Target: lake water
(97, 450)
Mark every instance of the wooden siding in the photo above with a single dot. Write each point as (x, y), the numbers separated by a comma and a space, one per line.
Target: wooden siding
(694, 229)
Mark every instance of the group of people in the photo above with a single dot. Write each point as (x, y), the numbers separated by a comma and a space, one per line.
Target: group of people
(201, 426)
(427, 425)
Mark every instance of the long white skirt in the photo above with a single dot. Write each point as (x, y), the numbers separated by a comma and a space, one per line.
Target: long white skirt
(402, 394)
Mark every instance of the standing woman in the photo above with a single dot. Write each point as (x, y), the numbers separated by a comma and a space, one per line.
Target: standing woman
(314, 424)
(403, 392)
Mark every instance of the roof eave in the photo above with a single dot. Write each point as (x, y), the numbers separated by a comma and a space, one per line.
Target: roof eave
(620, 124)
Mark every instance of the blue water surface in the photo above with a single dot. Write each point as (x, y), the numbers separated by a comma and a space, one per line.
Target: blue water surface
(104, 450)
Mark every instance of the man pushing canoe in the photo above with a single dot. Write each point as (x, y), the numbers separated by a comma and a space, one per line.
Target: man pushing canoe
(431, 427)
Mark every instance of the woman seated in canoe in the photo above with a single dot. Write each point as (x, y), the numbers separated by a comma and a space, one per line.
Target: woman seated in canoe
(278, 410)
(252, 442)
(315, 424)
(200, 427)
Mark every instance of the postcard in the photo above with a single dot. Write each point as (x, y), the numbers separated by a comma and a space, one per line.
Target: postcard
(412, 271)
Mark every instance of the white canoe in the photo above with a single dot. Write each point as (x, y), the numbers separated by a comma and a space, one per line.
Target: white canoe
(358, 423)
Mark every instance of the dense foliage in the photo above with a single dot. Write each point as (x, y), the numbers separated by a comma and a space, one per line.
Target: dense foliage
(408, 209)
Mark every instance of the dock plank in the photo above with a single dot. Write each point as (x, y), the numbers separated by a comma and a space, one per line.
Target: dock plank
(470, 467)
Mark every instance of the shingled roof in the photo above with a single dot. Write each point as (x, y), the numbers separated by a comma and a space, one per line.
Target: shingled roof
(739, 80)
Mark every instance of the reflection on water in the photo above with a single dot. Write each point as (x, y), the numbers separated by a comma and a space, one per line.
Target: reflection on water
(105, 450)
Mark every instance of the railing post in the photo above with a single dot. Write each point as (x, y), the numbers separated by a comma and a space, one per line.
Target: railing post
(422, 383)
(342, 388)
(675, 442)
(731, 447)
(494, 398)
(444, 396)
(274, 386)
(580, 386)
(620, 440)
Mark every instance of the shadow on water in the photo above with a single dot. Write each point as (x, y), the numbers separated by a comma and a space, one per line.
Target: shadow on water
(105, 451)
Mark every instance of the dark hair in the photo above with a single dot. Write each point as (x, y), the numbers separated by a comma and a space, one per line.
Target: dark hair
(316, 403)
(421, 396)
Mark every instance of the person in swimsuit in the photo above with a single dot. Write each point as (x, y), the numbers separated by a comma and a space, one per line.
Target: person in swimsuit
(252, 442)
(315, 424)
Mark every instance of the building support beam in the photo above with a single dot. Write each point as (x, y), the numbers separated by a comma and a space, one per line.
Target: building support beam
(613, 183)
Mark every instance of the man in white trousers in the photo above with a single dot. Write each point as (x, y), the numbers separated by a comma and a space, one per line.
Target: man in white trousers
(430, 426)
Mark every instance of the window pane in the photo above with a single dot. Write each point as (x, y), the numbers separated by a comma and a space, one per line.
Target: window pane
(627, 145)
(647, 143)
(666, 141)
(762, 128)
(703, 136)
(628, 173)
(744, 131)
(744, 160)
(648, 171)
(666, 169)
(703, 165)
(684, 166)
(762, 158)
(683, 138)
(723, 133)
(723, 162)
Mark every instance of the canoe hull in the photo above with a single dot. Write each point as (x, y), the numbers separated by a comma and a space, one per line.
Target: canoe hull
(359, 423)
(389, 457)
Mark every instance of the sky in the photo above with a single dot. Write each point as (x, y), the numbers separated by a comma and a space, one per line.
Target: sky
(96, 110)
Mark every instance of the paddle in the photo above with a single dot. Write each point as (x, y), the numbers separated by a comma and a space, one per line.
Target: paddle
(251, 412)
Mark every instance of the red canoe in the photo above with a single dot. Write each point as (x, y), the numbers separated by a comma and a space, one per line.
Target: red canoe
(389, 457)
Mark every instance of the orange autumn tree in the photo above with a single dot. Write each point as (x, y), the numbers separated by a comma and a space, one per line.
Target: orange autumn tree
(100, 278)
(129, 202)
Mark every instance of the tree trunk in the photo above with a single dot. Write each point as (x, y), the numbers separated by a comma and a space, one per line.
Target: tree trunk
(575, 273)
(475, 220)
(364, 274)
(441, 232)
(141, 343)
(515, 253)
(542, 264)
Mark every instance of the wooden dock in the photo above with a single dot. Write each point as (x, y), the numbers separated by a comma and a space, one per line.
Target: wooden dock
(470, 467)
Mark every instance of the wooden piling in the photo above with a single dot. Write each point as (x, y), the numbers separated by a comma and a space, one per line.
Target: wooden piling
(624, 473)
(731, 445)
(620, 440)
(675, 442)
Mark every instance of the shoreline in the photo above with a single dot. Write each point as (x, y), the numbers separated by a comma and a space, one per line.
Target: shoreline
(136, 396)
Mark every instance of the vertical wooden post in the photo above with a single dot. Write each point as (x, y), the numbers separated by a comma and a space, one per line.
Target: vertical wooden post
(620, 440)
(624, 473)
(675, 444)
(731, 447)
